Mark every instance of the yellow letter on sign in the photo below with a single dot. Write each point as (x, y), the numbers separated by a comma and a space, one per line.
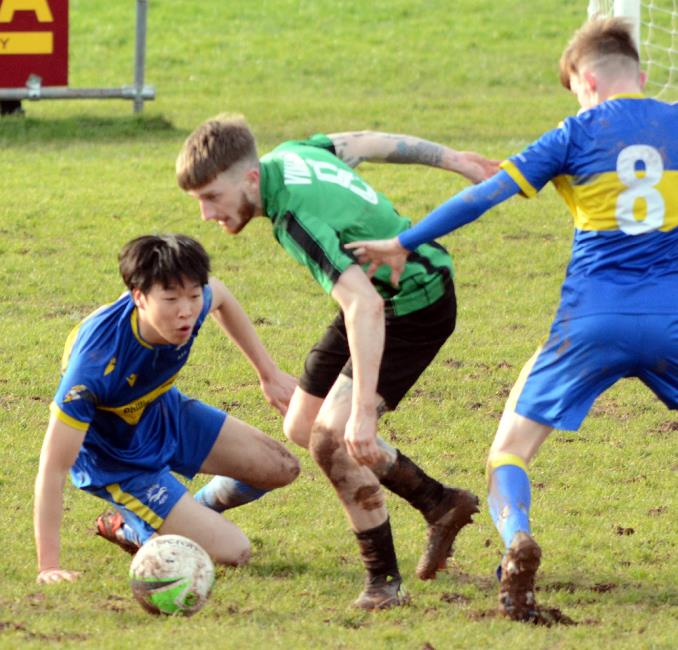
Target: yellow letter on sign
(39, 7)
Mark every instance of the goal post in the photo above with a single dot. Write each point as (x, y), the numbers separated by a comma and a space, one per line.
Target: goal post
(628, 8)
(655, 31)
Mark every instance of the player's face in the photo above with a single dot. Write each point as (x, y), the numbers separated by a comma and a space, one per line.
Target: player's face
(168, 314)
(231, 199)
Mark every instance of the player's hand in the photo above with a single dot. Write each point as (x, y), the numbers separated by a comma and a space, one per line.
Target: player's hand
(361, 438)
(278, 390)
(50, 576)
(381, 251)
(477, 168)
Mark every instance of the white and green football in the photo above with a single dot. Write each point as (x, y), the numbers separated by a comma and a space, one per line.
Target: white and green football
(171, 574)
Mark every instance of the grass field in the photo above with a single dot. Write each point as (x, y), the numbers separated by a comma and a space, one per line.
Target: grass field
(78, 179)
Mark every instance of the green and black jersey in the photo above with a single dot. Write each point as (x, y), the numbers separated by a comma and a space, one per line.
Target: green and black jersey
(317, 204)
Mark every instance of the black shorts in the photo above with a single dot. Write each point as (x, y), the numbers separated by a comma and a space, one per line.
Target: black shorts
(411, 343)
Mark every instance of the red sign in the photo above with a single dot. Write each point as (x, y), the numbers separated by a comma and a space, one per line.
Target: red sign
(33, 40)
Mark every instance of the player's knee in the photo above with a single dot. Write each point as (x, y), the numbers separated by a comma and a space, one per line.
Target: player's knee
(297, 429)
(324, 445)
(281, 467)
(289, 468)
(234, 549)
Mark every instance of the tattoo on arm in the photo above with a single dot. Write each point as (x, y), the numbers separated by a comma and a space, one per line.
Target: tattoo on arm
(340, 149)
(421, 151)
(354, 161)
(356, 147)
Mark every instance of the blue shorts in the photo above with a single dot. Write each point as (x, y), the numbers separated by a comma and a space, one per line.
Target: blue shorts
(145, 498)
(583, 357)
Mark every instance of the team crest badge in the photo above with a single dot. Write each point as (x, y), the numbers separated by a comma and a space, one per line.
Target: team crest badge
(78, 392)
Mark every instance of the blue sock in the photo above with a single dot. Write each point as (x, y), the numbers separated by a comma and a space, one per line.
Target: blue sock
(130, 534)
(224, 492)
(509, 496)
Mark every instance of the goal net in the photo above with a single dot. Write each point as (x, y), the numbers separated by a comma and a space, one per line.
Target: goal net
(656, 32)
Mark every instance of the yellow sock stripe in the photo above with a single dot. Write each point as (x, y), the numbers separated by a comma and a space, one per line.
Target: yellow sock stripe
(497, 460)
(506, 459)
(132, 503)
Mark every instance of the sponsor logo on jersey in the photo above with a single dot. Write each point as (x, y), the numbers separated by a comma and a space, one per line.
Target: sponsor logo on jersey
(132, 412)
(132, 379)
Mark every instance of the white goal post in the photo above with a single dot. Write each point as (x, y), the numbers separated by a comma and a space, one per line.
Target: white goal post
(655, 25)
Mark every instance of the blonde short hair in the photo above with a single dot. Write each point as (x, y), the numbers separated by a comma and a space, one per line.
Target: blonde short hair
(214, 147)
(600, 40)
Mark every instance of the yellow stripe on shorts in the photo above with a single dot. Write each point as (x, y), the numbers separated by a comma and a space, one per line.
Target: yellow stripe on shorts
(132, 503)
(520, 382)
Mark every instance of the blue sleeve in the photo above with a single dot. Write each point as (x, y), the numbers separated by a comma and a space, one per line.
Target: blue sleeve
(542, 161)
(461, 209)
(78, 393)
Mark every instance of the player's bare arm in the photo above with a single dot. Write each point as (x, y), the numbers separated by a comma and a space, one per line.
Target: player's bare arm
(359, 146)
(364, 317)
(461, 209)
(60, 448)
(276, 385)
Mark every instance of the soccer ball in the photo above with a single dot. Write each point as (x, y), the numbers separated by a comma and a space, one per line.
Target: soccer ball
(171, 574)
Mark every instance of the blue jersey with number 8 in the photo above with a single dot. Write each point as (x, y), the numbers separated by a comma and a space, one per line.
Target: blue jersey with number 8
(616, 166)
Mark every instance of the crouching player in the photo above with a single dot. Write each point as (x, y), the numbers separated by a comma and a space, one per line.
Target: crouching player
(616, 166)
(121, 427)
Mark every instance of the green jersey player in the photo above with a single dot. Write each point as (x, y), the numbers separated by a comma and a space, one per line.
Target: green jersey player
(382, 339)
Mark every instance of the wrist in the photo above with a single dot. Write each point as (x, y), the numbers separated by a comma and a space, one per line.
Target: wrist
(266, 371)
(48, 558)
(402, 240)
(362, 408)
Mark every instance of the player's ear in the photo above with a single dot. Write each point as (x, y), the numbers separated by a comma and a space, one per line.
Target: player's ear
(138, 298)
(590, 79)
(642, 79)
(252, 176)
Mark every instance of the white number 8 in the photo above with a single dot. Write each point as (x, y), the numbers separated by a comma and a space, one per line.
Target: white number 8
(640, 187)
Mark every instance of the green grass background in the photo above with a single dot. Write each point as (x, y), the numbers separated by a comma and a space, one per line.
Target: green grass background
(80, 178)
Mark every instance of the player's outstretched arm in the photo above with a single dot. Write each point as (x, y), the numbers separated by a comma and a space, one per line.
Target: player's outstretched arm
(59, 450)
(379, 252)
(461, 209)
(354, 147)
(276, 385)
(363, 310)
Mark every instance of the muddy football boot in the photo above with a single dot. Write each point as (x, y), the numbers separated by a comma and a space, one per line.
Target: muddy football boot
(382, 592)
(457, 507)
(109, 526)
(516, 586)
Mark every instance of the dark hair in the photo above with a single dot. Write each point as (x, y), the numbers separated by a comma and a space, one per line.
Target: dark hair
(213, 148)
(163, 259)
(599, 38)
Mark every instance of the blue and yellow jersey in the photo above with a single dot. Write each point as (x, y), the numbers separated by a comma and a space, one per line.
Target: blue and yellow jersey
(112, 385)
(616, 167)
